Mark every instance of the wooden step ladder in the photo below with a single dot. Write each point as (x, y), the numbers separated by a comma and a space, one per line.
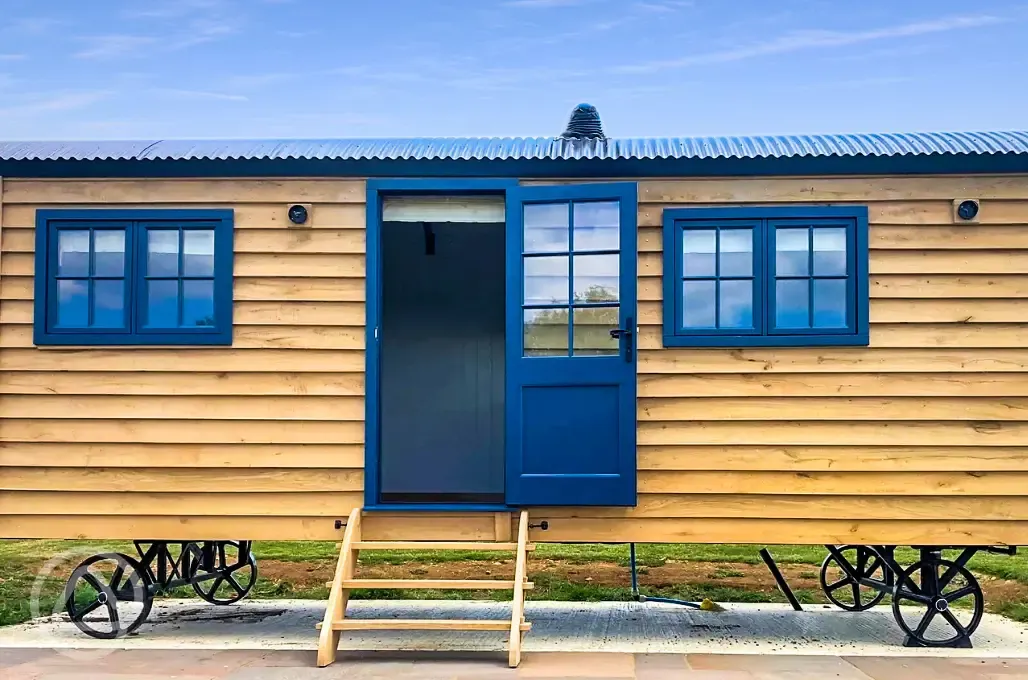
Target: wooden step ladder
(346, 579)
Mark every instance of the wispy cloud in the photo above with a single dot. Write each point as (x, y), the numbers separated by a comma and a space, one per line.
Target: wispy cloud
(13, 57)
(172, 9)
(32, 25)
(543, 4)
(42, 103)
(663, 6)
(110, 46)
(806, 40)
(175, 93)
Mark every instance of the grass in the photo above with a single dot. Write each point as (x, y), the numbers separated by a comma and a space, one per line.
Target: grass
(20, 561)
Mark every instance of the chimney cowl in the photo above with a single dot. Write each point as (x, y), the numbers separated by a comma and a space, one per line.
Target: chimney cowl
(584, 123)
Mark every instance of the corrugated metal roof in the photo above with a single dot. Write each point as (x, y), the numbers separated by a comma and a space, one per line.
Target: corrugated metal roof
(515, 148)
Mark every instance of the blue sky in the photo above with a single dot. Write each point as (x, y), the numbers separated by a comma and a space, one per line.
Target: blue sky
(116, 69)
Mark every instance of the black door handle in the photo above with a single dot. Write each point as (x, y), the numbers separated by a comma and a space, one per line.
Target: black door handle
(624, 334)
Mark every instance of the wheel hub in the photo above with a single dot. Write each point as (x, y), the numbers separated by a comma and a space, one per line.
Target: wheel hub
(940, 604)
(101, 598)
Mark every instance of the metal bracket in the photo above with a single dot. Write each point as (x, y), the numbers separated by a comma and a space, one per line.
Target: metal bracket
(544, 525)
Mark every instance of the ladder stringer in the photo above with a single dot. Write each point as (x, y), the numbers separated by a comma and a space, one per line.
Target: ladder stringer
(517, 616)
(338, 596)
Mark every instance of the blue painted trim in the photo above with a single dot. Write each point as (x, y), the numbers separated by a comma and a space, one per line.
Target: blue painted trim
(856, 220)
(442, 507)
(134, 221)
(375, 189)
(934, 164)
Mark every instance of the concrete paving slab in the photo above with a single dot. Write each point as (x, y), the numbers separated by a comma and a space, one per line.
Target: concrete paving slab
(626, 627)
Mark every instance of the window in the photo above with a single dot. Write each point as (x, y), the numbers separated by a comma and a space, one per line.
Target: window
(133, 277)
(785, 276)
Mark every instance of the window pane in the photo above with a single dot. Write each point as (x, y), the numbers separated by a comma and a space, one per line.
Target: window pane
(109, 303)
(546, 280)
(197, 303)
(546, 332)
(162, 252)
(198, 252)
(591, 331)
(162, 304)
(699, 248)
(109, 256)
(72, 253)
(597, 225)
(736, 252)
(829, 252)
(829, 303)
(792, 306)
(72, 304)
(791, 252)
(596, 278)
(736, 304)
(698, 301)
(546, 227)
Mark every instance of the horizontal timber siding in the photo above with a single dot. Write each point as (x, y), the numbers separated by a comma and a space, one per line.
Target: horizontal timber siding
(260, 439)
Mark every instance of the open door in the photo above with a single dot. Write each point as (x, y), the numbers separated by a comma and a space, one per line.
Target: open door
(571, 345)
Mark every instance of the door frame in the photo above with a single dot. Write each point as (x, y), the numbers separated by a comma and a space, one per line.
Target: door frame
(377, 189)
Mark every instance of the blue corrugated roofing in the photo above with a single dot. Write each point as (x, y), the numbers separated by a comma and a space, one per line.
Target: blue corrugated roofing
(507, 148)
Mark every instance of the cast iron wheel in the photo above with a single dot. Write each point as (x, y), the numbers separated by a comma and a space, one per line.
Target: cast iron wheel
(232, 576)
(845, 592)
(108, 596)
(937, 603)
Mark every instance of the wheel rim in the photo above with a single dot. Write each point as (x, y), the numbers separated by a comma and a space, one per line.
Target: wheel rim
(938, 604)
(844, 591)
(108, 596)
(233, 576)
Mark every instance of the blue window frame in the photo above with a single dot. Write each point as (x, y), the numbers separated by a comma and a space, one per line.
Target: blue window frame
(133, 277)
(765, 276)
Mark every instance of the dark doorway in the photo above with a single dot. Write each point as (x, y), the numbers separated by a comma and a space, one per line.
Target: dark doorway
(442, 363)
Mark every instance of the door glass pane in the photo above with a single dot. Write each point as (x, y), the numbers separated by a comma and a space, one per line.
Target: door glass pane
(197, 303)
(72, 303)
(698, 304)
(699, 248)
(108, 302)
(735, 304)
(109, 257)
(546, 227)
(830, 252)
(596, 278)
(72, 253)
(162, 304)
(829, 303)
(591, 331)
(162, 252)
(736, 252)
(546, 280)
(198, 252)
(792, 304)
(791, 252)
(546, 332)
(597, 225)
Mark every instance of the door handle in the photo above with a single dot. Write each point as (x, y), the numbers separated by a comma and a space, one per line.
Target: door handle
(624, 335)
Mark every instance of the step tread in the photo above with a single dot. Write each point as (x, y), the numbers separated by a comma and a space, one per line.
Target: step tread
(425, 624)
(438, 545)
(459, 584)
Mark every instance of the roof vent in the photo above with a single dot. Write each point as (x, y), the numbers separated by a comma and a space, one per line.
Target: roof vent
(584, 123)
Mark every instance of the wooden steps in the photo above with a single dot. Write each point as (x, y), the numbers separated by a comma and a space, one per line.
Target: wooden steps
(345, 580)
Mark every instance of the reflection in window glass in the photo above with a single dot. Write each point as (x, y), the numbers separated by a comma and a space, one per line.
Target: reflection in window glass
(198, 252)
(735, 304)
(597, 225)
(162, 252)
(596, 278)
(198, 303)
(791, 252)
(792, 303)
(830, 303)
(546, 227)
(591, 331)
(546, 332)
(546, 280)
(829, 252)
(699, 250)
(72, 253)
(735, 250)
(72, 303)
(108, 303)
(699, 304)
(109, 252)
(162, 304)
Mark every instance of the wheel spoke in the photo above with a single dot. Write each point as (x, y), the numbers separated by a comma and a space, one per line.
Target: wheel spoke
(947, 577)
(925, 622)
(856, 593)
(902, 594)
(116, 577)
(838, 584)
(112, 611)
(232, 581)
(871, 567)
(955, 623)
(962, 592)
(94, 582)
(217, 584)
(88, 609)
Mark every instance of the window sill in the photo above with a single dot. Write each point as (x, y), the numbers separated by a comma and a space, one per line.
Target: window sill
(713, 341)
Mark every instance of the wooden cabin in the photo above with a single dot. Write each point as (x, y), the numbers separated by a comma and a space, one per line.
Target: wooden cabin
(737, 340)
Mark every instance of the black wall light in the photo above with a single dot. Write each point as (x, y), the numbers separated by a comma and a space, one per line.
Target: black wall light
(298, 214)
(967, 210)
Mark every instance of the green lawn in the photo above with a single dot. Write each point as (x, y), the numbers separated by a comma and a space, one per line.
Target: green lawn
(20, 561)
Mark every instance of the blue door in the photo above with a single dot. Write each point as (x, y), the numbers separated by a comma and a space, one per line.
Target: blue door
(571, 345)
